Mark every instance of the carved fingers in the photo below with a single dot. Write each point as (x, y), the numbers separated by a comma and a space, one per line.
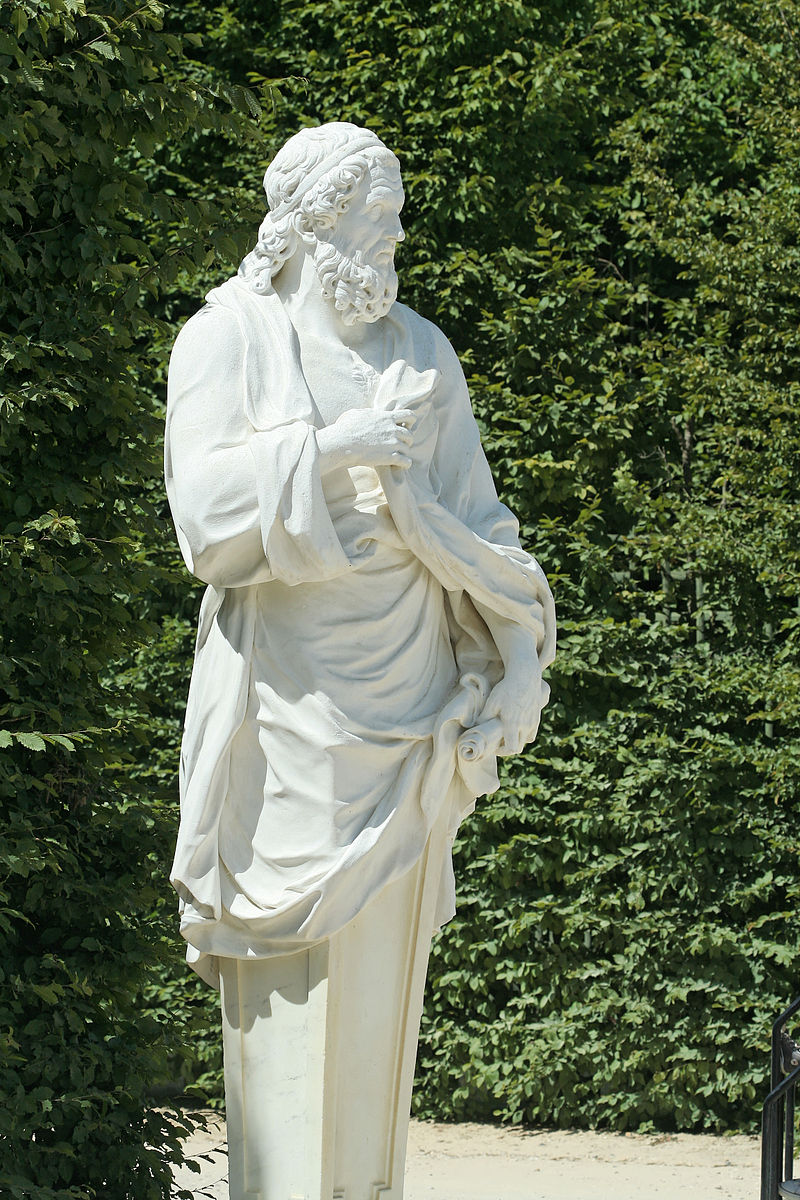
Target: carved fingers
(404, 421)
(370, 438)
(518, 708)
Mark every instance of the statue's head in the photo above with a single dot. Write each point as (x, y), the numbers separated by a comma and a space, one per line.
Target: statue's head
(335, 190)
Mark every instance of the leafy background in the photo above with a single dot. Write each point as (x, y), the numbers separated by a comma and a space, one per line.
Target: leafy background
(603, 215)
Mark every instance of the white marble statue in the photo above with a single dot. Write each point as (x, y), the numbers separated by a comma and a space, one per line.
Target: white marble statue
(372, 636)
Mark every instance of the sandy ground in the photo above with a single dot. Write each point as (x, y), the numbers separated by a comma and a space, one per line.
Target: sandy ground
(483, 1162)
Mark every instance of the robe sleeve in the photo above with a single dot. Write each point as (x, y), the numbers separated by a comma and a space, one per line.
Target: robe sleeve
(466, 489)
(248, 504)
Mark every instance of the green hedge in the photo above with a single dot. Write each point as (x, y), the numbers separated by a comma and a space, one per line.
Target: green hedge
(603, 216)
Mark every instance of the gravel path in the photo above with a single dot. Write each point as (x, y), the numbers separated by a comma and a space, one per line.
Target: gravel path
(483, 1162)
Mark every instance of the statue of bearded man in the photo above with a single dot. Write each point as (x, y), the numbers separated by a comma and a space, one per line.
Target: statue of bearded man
(372, 636)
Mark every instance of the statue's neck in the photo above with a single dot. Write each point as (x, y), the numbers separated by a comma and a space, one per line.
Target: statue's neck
(312, 315)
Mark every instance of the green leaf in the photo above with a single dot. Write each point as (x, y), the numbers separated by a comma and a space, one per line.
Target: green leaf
(31, 741)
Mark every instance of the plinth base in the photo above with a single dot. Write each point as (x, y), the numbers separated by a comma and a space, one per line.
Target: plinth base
(320, 1049)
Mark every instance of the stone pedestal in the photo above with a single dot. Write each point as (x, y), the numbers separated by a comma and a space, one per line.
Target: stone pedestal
(320, 1049)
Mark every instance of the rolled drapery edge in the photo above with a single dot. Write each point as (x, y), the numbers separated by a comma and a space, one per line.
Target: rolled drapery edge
(481, 740)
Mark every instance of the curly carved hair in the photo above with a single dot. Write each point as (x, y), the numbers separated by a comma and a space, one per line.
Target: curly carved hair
(316, 210)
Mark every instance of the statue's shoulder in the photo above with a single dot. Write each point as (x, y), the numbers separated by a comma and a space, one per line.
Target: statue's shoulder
(431, 346)
(210, 341)
(213, 321)
(232, 318)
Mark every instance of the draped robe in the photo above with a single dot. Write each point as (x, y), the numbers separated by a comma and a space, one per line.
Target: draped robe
(340, 657)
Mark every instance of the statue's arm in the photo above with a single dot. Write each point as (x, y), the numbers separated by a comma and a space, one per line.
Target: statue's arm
(468, 488)
(210, 472)
(469, 491)
(519, 697)
(248, 504)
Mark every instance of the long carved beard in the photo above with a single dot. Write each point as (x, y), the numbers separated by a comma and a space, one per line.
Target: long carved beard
(360, 291)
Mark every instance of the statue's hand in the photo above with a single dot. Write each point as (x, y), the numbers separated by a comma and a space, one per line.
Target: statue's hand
(517, 702)
(366, 437)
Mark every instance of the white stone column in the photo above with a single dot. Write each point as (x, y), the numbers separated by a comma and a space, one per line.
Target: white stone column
(320, 1049)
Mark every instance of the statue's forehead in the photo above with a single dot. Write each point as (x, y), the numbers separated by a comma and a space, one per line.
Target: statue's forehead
(385, 174)
(387, 193)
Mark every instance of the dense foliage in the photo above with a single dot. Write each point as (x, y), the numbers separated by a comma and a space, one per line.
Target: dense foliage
(91, 228)
(603, 216)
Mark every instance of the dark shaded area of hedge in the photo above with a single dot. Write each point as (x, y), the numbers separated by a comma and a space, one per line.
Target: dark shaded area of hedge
(85, 247)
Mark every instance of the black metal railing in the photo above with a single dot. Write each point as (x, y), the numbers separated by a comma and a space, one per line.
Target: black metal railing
(777, 1125)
